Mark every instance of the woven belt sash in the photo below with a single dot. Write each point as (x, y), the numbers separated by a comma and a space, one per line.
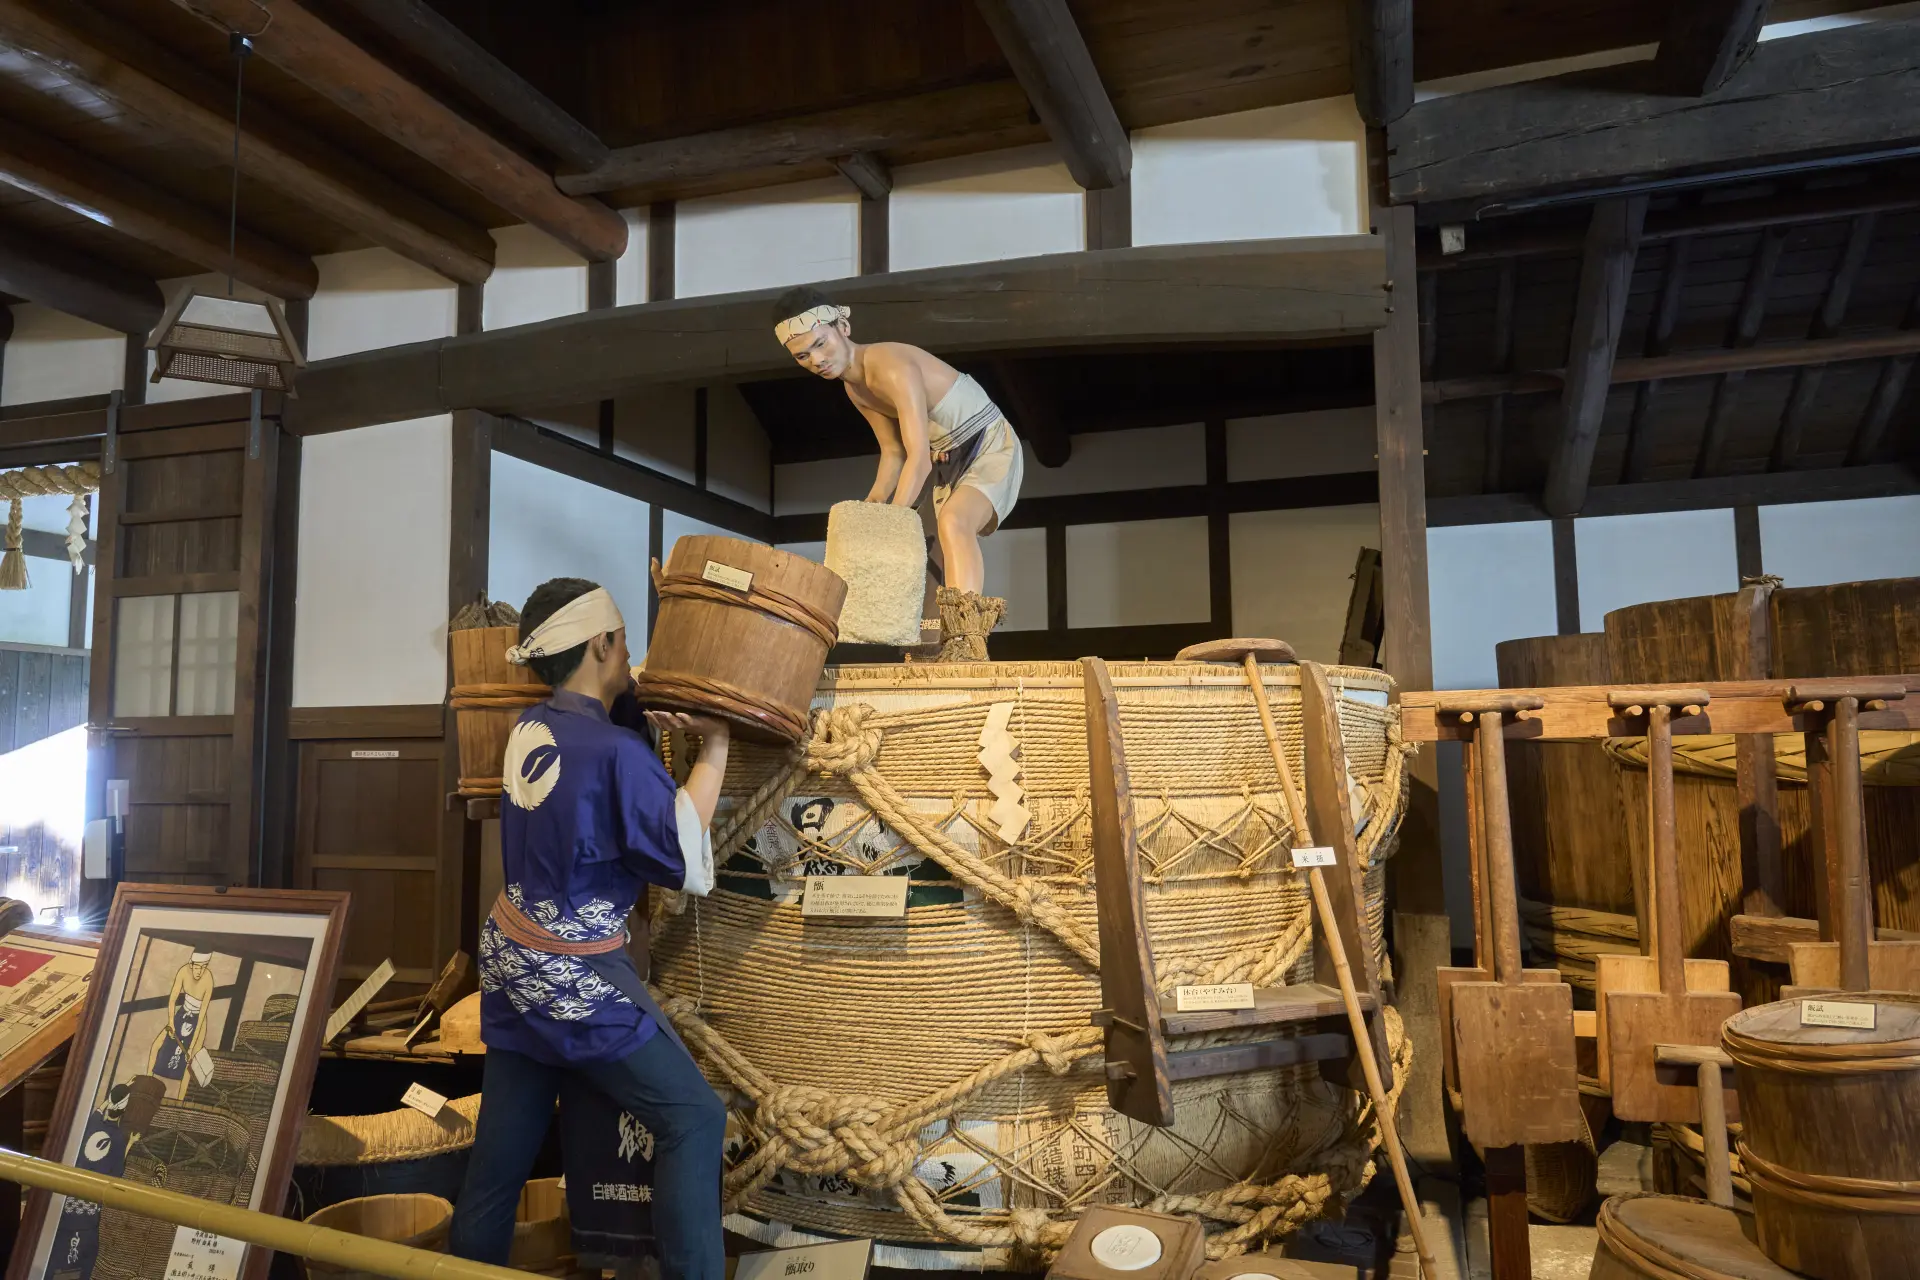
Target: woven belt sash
(520, 927)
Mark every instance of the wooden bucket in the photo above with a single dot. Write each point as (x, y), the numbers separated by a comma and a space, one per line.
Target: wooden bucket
(488, 695)
(1645, 1234)
(743, 632)
(417, 1221)
(542, 1231)
(1832, 1136)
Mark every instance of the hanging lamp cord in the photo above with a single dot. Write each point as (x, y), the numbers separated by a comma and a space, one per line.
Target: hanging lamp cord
(242, 47)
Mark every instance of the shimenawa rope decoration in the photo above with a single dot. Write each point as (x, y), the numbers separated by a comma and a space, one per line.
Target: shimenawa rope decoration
(75, 481)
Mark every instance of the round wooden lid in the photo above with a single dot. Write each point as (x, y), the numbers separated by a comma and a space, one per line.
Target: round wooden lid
(1896, 1017)
(1237, 649)
(1704, 1237)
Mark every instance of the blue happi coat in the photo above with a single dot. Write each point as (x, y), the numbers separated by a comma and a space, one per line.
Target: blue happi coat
(588, 816)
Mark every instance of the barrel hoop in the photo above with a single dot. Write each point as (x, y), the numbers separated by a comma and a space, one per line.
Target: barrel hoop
(1821, 1059)
(1628, 1245)
(767, 600)
(1827, 1191)
(496, 697)
(482, 786)
(653, 686)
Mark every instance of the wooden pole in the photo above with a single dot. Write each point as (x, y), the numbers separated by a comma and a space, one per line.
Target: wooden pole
(322, 1244)
(1336, 945)
(1852, 890)
(1713, 1132)
(1664, 866)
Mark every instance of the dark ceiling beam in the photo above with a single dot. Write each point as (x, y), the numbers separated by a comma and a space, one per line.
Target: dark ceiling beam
(55, 277)
(1687, 364)
(419, 29)
(994, 107)
(1049, 56)
(1380, 50)
(313, 53)
(1888, 392)
(1805, 395)
(35, 163)
(1744, 332)
(1706, 41)
(1831, 97)
(1033, 415)
(394, 219)
(1606, 276)
(1666, 316)
(867, 172)
(1260, 291)
(1762, 489)
(1830, 204)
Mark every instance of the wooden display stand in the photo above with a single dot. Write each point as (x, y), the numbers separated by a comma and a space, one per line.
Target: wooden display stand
(1647, 1001)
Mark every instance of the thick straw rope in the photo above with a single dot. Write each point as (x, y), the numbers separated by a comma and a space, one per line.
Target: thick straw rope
(73, 481)
(871, 1140)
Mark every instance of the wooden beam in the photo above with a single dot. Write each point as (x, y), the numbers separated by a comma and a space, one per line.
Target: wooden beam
(1494, 448)
(1888, 392)
(313, 53)
(419, 29)
(867, 172)
(1763, 489)
(811, 139)
(1745, 332)
(1808, 99)
(58, 278)
(1666, 314)
(1706, 41)
(1035, 419)
(33, 162)
(1826, 322)
(1049, 57)
(1233, 291)
(1606, 275)
(1688, 364)
(406, 225)
(1380, 51)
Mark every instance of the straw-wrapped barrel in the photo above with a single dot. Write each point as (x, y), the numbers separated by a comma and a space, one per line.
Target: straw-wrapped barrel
(488, 695)
(743, 632)
(1832, 1131)
(932, 1080)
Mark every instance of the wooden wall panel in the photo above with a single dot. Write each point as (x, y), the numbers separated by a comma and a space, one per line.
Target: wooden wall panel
(180, 546)
(184, 483)
(368, 821)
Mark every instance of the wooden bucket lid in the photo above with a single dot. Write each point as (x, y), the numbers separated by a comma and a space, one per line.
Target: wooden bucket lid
(1688, 1237)
(1896, 1029)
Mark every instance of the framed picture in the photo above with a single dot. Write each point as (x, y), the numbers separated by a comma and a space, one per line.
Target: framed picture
(190, 1071)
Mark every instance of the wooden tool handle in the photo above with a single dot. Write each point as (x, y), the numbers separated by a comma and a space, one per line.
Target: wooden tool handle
(1663, 839)
(1496, 825)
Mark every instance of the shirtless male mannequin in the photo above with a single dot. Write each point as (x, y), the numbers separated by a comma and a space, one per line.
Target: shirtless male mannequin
(931, 421)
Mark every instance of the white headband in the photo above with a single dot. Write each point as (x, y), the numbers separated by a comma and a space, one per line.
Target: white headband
(574, 623)
(804, 322)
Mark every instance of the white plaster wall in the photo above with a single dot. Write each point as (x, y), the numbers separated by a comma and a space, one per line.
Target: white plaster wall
(1148, 458)
(767, 239)
(1001, 204)
(1293, 570)
(1016, 565)
(1279, 446)
(802, 488)
(372, 298)
(534, 278)
(630, 273)
(738, 455)
(370, 611)
(1293, 170)
(1816, 544)
(1625, 560)
(52, 356)
(543, 525)
(675, 526)
(1137, 573)
(1488, 583)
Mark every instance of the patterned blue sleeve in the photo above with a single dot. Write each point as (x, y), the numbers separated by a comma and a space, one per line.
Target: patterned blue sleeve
(649, 833)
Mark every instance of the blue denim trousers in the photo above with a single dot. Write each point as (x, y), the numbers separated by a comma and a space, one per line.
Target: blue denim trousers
(658, 1085)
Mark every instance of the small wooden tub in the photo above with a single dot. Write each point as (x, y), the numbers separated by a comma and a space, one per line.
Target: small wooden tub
(1645, 1234)
(542, 1231)
(1832, 1135)
(743, 632)
(487, 697)
(415, 1220)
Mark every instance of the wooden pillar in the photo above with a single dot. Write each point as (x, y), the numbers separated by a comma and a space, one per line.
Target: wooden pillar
(876, 251)
(467, 561)
(1110, 216)
(601, 288)
(1219, 531)
(660, 251)
(1566, 577)
(133, 370)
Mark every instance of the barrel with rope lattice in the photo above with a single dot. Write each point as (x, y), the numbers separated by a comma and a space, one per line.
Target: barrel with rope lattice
(488, 695)
(932, 1080)
(743, 633)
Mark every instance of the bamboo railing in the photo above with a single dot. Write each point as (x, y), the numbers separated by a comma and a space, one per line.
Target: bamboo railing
(322, 1244)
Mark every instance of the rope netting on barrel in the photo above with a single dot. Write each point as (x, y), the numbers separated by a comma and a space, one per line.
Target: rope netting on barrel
(890, 1056)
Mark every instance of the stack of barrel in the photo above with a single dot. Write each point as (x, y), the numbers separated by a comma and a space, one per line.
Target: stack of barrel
(1830, 1141)
(488, 695)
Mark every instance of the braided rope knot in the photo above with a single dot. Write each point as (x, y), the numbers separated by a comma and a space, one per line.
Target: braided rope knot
(1053, 1052)
(842, 741)
(829, 1133)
